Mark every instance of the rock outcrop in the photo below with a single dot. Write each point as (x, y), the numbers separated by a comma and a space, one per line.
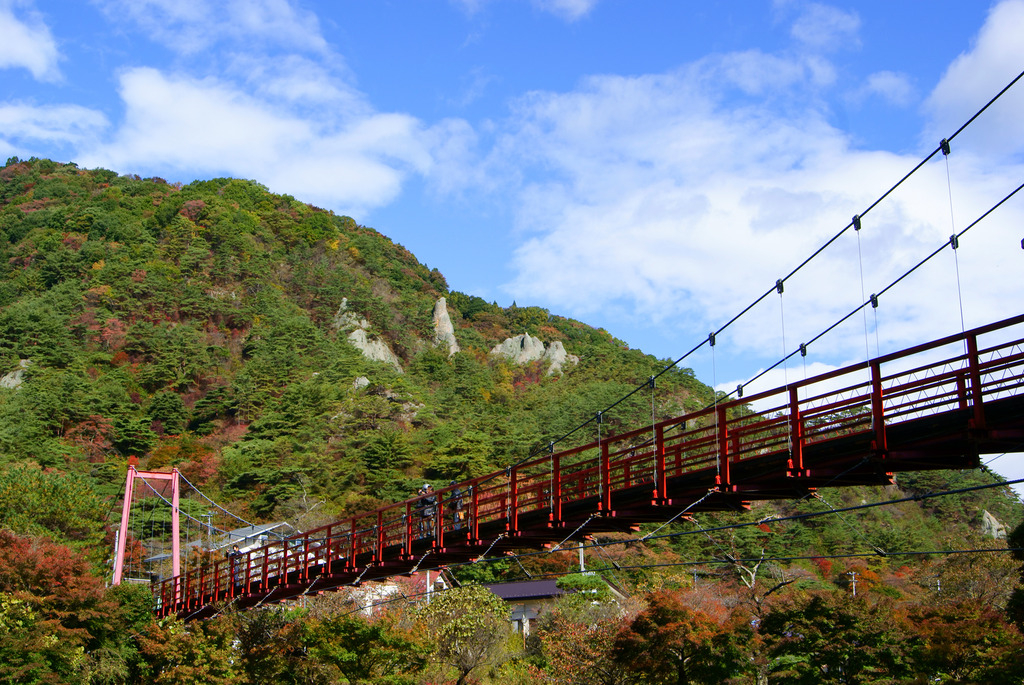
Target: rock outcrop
(15, 378)
(344, 320)
(557, 355)
(991, 527)
(523, 349)
(372, 348)
(444, 331)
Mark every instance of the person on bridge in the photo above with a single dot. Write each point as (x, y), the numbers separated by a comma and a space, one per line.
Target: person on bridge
(455, 506)
(428, 507)
(235, 558)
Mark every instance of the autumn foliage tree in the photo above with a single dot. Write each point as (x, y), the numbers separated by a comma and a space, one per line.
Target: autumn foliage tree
(965, 642)
(838, 638)
(51, 610)
(578, 636)
(671, 642)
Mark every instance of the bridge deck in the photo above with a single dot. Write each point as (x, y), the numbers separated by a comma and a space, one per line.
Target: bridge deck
(935, 406)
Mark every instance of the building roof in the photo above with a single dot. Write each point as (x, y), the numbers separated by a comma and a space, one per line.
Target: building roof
(527, 589)
(248, 534)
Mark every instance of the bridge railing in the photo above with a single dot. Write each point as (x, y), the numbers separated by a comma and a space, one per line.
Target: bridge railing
(1000, 370)
(954, 373)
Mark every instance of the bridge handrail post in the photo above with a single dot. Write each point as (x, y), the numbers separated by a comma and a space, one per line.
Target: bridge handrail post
(556, 487)
(352, 544)
(723, 477)
(409, 528)
(796, 431)
(513, 499)
(660, 475)
(606, 478)
(265, 568)
(474, 512)
(378, 552)
(878, 407)
(977, 394)
(247, 573)
(437, 521)
(305, 557)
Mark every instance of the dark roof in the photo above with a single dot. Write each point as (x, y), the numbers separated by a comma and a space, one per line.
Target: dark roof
(528, 589)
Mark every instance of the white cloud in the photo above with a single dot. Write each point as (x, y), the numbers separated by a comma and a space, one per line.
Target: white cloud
(757, 73)
(892, 87)
(27, 42)
(826, 28)
(192, 26)
(660, 199)
(298, 82)
(212, 127)
(61, 124)
(975, 76)
(570, 10)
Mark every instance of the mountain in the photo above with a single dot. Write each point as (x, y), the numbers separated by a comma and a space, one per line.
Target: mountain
(275, 351)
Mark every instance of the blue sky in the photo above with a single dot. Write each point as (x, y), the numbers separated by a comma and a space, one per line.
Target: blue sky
(647, 167)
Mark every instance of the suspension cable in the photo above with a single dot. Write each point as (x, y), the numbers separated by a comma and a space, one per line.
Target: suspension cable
(860, 264)
(180, 511)
(203, 495)
(872, 301)
(944, 146)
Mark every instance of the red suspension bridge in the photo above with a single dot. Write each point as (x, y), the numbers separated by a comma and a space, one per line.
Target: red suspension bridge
(935, 406)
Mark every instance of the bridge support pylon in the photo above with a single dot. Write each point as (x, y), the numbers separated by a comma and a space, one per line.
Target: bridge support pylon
(122, 534)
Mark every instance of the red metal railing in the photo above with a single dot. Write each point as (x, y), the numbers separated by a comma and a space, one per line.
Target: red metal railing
(948, 375)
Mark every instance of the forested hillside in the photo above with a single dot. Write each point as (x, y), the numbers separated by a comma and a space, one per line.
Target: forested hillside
(210, 327)
(199, 325)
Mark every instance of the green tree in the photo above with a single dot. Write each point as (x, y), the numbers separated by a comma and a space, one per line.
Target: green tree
(59, 505)
(167, 408)
(386, 450)
(469, 626)
(836, 638)
(362, 651)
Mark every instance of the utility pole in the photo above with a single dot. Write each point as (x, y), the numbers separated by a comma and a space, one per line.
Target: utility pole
(853, 581)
